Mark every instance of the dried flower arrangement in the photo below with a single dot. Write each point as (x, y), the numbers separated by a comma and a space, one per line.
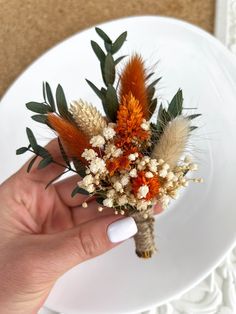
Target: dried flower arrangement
(122, 159)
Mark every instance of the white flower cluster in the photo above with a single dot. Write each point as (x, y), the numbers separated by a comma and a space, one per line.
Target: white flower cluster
(117, 191)
(176, 179)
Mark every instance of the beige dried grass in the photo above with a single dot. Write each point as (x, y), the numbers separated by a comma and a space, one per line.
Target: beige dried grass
(172, 142)
(88, 118)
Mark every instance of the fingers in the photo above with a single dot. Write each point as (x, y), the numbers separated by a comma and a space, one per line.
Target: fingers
(52, 170)
(90, 239)
(64, 189)
(157, 208)
(81, 215)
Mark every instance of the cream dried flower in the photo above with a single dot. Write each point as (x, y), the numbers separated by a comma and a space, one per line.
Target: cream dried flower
(88, 118)
(173, 141)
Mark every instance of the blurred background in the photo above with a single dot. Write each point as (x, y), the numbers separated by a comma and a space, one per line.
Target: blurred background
(30, 27)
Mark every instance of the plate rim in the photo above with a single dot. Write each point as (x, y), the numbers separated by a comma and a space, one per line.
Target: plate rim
(187, 26)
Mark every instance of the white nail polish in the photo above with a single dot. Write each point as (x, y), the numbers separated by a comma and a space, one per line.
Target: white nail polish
(122, 229)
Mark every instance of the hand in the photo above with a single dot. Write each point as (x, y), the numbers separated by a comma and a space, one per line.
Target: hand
(44, 233)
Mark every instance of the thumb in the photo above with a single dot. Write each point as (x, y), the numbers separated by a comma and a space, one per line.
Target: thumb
(73, 246)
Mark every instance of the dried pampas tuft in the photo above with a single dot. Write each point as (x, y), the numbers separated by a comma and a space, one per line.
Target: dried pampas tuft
(173, 141)
(88, 118)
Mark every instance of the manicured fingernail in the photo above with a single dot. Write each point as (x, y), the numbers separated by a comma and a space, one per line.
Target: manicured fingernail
(122, 229)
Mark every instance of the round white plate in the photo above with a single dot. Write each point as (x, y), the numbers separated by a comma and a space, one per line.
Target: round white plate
(196, 233)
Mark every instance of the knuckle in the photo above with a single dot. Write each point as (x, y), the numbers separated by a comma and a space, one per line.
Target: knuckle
(88, 246)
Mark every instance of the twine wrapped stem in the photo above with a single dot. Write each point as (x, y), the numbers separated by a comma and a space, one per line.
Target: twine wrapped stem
(144, 239)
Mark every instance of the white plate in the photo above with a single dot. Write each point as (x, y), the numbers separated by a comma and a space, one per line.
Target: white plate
(194, 235)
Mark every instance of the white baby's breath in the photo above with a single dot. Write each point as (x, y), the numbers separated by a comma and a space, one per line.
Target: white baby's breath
(108, 133)
(89, 154)
(97, 141)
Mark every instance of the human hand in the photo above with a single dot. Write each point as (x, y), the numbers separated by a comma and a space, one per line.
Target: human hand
(44, 233)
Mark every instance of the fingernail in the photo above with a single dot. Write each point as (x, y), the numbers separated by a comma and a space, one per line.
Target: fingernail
(122, 229)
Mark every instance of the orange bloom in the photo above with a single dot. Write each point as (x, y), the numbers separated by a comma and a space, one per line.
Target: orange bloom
(74, 140)
(152, 183)
(120, 163)
(129, 119)
(133, 80)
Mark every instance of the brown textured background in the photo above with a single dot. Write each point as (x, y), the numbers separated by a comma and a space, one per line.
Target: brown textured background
(29, 27)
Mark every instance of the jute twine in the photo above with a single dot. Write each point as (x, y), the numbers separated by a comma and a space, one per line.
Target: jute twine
(144, 238)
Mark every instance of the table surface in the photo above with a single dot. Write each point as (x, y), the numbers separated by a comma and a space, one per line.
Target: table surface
(30, 27)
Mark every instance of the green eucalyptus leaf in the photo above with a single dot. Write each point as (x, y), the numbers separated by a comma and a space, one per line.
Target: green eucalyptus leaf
(103, 35)
(154, 82)
(96, 90)
(98, 51)
(176, 105)
(50, 97)
(44, 163)
(193, 116)
(119, 59)
(21, 150)
(32, 161)
(79, 190)
(42, 152)
(109, 70)
(103, 91)
(111, 105)
(118, 43)
(150, 92)
(192, 128)
(40, 118)
(61, 101)
(38, 107)
(108, 47)
(152, 107)
(31, 138)
(44, 92)
(149, 76)
(100, 200)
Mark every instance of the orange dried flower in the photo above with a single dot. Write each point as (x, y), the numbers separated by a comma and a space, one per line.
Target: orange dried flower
(129, 119)
(152, 183)
(75, 141)
(133, 80)
(120, 163)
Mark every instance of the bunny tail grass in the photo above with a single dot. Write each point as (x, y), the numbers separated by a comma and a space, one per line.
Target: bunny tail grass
(173, 141)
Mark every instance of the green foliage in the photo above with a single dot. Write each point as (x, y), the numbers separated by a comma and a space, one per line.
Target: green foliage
(21, 150)
(31, 163)
(176, 105)
(38, 107)
(50, 97)
(79, 190)
(100, 200)
(108, 95)
(62, 104)
(118, 43)
(109, 70)
(152, 100)
(40, 118)
(174, 109)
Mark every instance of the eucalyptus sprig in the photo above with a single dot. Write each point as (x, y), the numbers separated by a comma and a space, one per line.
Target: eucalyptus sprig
(175, 108)
(47, 158)
(50, 105)
(108, 94)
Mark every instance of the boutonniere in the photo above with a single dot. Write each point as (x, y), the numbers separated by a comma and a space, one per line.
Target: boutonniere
(122, 158)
